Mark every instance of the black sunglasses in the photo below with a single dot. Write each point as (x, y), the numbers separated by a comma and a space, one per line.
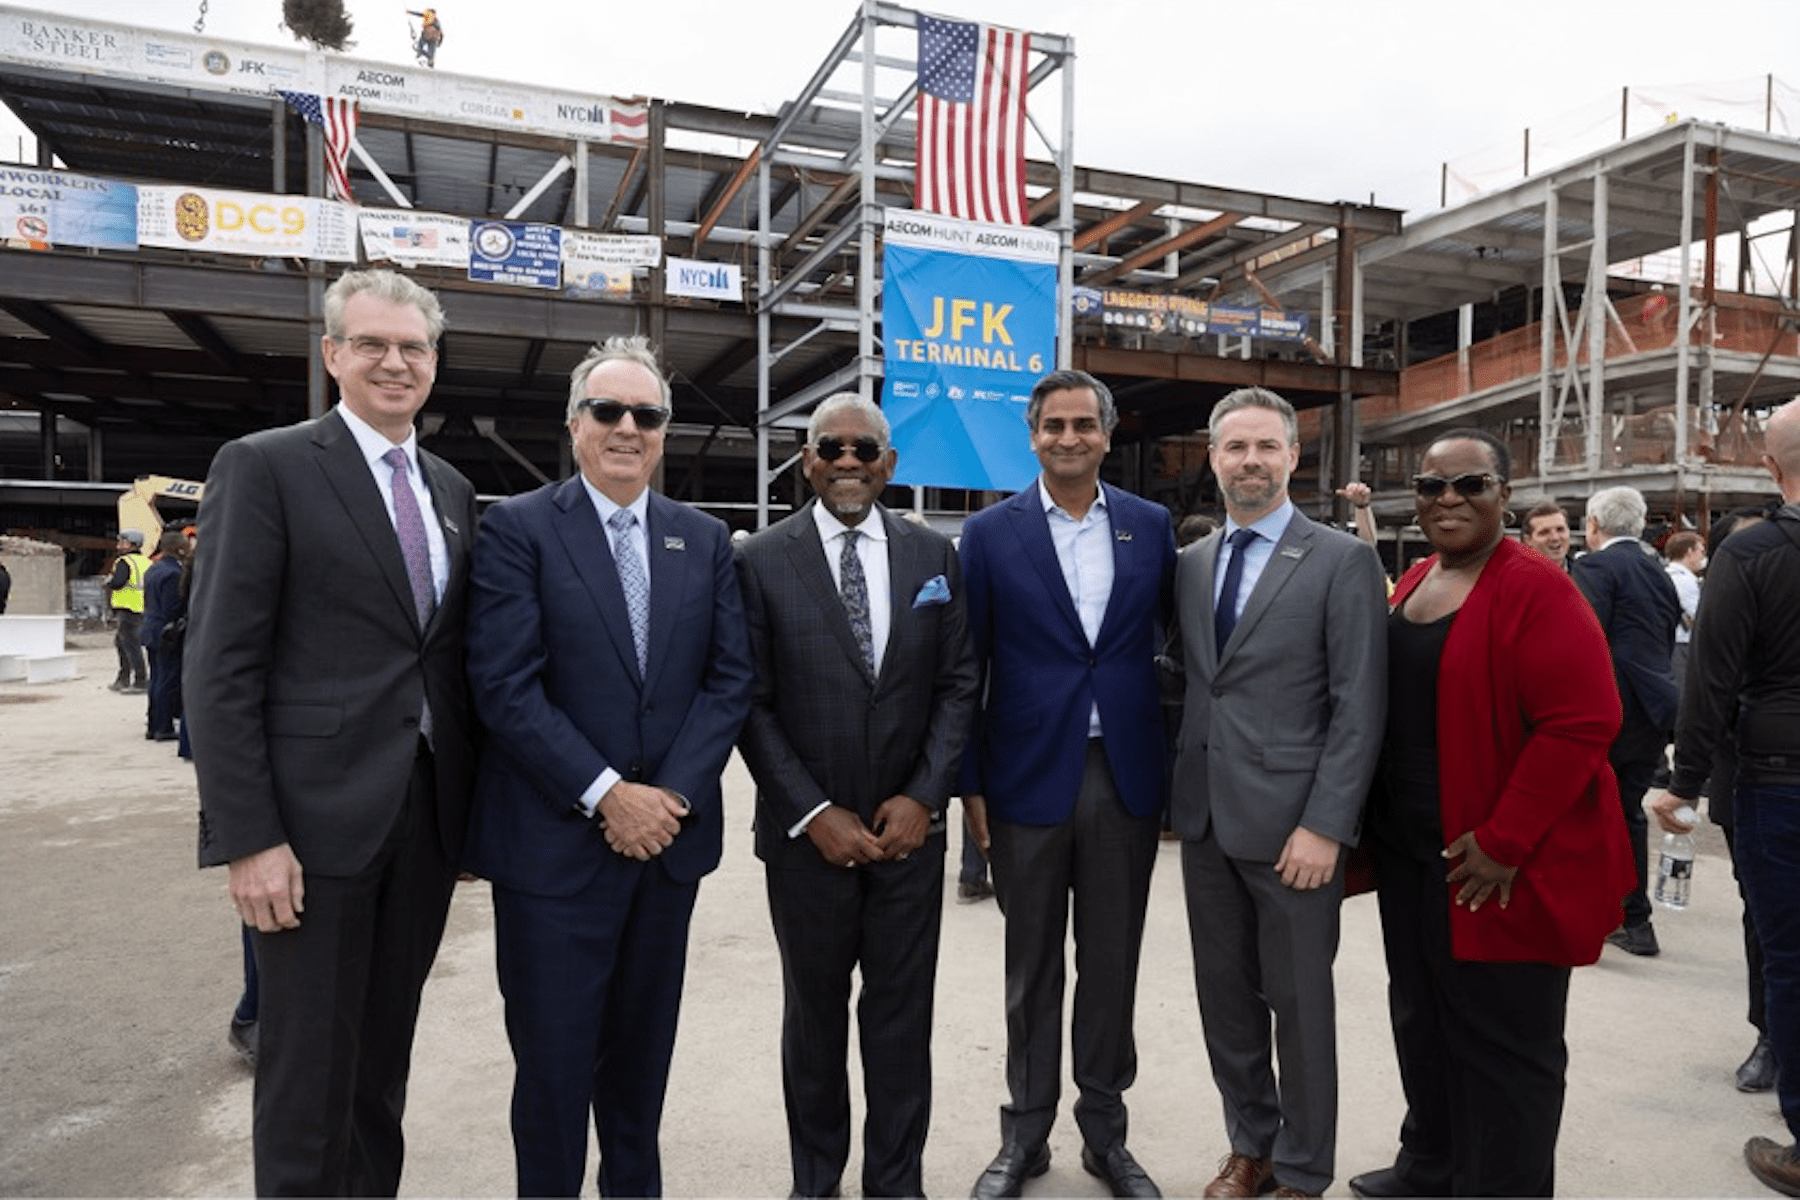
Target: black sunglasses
(831, 449)
(649, 417)
(1432, 486)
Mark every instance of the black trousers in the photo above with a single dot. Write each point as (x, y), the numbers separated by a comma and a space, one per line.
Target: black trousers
(339, 999)
(1481, 1050)
(1634, 756)
(884, 920)
(1101, 857)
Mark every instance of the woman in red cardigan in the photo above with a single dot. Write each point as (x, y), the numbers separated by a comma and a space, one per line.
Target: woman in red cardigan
(1498, 839)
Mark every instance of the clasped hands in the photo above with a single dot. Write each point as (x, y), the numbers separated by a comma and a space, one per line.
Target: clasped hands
(901, 825)
(638, 820)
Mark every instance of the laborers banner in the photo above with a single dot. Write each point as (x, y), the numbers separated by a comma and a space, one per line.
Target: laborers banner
(968, 315)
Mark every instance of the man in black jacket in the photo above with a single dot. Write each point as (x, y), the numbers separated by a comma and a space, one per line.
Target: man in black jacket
(1745, 660)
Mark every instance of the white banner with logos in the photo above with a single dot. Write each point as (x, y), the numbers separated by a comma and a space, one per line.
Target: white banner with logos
(68, 43)
(705, 280)
(603, 264)
(413, 239)
(184, 218)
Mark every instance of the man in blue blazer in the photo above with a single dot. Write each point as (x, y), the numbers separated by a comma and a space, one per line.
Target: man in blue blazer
(1063, 780)
(1638, 608)
(610, 667)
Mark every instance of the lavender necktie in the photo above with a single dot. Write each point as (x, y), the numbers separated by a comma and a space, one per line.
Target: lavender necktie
(633, 581)
(409, 523)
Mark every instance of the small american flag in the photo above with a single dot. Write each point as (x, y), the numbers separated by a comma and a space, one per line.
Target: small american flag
(972, 81)
(337, 117)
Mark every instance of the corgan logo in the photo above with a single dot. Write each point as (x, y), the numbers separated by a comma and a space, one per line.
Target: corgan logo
(904, 389)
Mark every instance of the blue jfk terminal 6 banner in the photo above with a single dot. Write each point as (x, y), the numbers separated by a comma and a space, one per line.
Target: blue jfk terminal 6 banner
(968, 324)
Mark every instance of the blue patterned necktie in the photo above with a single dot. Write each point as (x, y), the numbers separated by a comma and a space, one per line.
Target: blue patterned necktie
(1225, 615)
(409, 523)
(855, 589)
(633, 580)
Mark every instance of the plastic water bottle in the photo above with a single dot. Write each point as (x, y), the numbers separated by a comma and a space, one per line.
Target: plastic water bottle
(1676, 873)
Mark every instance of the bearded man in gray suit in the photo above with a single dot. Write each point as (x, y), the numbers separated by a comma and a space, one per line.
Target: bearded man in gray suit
(1284, 653)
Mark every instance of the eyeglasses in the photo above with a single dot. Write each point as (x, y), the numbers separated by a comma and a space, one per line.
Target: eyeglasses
(648, 417)
(1430, 487)
(866, 449)
(377, 349)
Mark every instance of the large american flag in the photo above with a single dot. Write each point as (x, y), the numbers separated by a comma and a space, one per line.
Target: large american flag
(337, 117)
(972, 81)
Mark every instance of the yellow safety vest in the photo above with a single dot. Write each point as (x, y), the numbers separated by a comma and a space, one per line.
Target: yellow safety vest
(131, 596)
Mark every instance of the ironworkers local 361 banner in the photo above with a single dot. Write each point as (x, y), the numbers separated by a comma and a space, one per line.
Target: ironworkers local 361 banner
(968, 324)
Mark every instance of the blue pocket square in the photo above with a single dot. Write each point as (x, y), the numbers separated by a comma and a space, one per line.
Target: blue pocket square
(935, 591)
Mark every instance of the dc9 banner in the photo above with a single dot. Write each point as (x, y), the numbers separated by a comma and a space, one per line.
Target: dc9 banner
(968, 316)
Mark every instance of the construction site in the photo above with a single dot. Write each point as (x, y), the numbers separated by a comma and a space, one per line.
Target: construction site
(1628, 316)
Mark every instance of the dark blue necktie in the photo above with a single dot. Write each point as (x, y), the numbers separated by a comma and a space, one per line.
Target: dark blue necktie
(1225, 615)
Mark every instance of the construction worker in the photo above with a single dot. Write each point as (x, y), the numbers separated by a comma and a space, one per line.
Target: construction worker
(127, 588)
(431, 36)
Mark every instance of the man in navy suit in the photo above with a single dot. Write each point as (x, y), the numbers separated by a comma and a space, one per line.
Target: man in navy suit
(608, 658)
(1064, 776)
(865, 682)
(1638, 608)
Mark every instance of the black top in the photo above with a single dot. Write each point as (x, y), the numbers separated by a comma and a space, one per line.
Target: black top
(1404, 817)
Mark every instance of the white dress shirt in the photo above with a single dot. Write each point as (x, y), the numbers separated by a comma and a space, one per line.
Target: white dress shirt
(1269, 529)
(872, 552)
(1687, 587)
(605, 508)
(373, 445)
(1084, 551)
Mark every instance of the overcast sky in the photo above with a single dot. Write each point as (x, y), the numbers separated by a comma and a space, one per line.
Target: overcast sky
(1320, 99)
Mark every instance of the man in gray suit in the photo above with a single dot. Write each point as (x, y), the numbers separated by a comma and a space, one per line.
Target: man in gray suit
(1284, 653)
(865, 689)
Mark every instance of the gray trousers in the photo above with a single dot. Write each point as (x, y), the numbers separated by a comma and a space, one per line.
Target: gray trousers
(1262, 949)
(1101, 856)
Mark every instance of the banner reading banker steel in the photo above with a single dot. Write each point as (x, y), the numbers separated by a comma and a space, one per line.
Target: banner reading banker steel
(968, 316)
(92, 47)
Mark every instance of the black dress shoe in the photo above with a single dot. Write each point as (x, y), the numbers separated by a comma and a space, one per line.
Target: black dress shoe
(1383, 1184)
(243, 1039)
(1006, 1175)
(1120, 1170)
(1757, 1074)
(1635, 939)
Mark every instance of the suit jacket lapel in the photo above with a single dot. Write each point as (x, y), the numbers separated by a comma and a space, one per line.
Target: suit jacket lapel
(591, 552)
(807, 554)
(1284, 560)
(1206, 570)
(348, 474)
(455, 538)
(672, 564)
(1033, 528)
(906, 571)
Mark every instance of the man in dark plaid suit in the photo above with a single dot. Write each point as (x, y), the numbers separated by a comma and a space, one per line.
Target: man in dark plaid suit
(865, 682)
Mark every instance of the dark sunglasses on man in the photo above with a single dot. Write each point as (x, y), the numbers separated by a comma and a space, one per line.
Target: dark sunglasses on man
(1430, 487)
(648, 417)
(831, 449)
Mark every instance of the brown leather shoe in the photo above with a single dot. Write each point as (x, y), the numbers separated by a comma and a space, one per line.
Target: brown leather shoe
(1241, 1175)
(1774, 1164)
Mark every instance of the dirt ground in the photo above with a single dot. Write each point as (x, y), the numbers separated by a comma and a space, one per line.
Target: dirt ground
(119, 966)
